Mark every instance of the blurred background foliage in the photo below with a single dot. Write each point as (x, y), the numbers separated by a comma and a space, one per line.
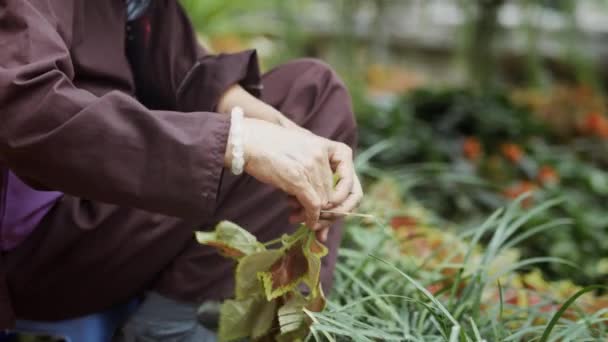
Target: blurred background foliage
(468, 103)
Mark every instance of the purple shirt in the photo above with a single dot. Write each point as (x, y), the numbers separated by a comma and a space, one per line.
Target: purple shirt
(21, 209)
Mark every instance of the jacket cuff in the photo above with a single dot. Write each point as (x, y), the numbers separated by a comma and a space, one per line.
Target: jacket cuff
(211, 167)
(212, 75)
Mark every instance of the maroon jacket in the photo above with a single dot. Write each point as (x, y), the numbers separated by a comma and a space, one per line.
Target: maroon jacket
(69, 120)
(80, 115)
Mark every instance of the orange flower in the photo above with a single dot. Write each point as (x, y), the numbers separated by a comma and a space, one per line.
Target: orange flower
(596, 124)
(519, 189)
(602, 131)
(472, 149)
(548, 175)
(434, 288)
(512, 152)
(403, 222)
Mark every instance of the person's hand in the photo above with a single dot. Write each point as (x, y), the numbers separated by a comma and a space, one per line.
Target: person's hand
(285, 122)
(347, 193)
(293, 161)
(299, 163)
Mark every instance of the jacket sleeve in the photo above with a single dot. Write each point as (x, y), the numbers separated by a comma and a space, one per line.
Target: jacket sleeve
(173, 71)
(109, 148)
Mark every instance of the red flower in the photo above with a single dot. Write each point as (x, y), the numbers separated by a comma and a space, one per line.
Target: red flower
(512, 152)
(548, 175)
(434, 288)
(519, 189)
(596, 124)
(471, 148)
(401, 222)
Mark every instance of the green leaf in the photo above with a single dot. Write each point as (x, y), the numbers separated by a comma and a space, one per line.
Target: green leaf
(297, 236)
(293, 336)
(313, 250)
(264, 318)
(231, 240)
(336, 179)
(291, 315)
(235, 319)
(247, 282)
(251, 317)
(565, 307)
(294, 322)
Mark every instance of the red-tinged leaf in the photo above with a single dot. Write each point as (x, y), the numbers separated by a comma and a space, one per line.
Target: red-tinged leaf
(225, 249)
(247, 282)
(313, 251)
(230, 240)
(313, 274)
(314, 247)
(317, 303)
(286, 273)
(297, 236)
(262, 277)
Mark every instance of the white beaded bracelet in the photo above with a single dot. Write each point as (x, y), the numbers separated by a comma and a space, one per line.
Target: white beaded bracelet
(236, 134)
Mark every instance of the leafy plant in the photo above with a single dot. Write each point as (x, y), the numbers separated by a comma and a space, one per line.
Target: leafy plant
(465, 155)
(274, 287)
(410, 281)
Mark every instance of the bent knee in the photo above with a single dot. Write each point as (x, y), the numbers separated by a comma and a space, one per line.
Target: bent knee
(312, 94)
(320, 69)
(332, 88)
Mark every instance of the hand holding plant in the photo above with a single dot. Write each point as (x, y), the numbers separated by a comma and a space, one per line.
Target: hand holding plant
(302, 164)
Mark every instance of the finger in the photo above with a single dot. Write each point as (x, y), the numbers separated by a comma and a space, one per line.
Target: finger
(321, 176)
(353, 200)
(322, 224)
(322, 235)
(328, 181)
(345, 184)
(311, 202)
(328, 216)
(342, 163)
(333, 216)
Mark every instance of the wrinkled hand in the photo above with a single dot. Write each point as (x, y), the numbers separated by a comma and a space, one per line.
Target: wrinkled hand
(302, 165)
(347, 193)
(285, 122)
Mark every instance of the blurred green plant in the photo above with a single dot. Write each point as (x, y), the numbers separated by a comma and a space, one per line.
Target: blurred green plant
(464, 155)
(219, 16)
(457, 293)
